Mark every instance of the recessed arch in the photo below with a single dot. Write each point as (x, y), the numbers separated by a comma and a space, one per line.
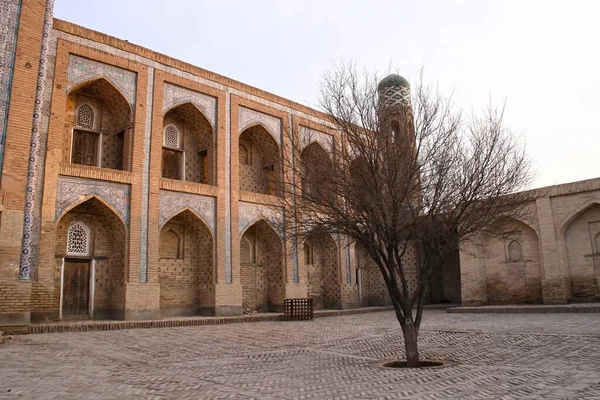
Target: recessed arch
(193, 159)
(99, 125)
(80, 85)
(264, 172)
(323, 274)
(262, 276)
(186, 265)
(266, 221)
(91, 242)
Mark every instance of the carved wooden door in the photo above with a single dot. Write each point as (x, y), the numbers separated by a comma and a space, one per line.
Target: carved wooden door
(76, 288)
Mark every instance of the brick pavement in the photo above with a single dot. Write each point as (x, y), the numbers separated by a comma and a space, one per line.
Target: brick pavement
(497, 356)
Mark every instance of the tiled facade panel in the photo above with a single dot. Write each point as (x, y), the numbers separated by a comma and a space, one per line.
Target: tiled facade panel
(261, 267)
(107, 246)
(185, 270)
(582, 237)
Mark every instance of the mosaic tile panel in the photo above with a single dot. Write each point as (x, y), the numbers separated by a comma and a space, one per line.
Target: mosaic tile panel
(348, 270)
(172, 203)
(9, 25)
(84, 70)
(146, 179)
(175, 95)
(308, 136)
(295, 261)
(395, 96)
(70, 190)
(248, 117)
(37, 155)
(251, 212)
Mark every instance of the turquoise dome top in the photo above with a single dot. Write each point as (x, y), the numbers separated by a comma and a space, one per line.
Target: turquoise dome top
(393, 80)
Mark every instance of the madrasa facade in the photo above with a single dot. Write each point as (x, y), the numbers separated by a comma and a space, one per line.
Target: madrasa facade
(135, 186)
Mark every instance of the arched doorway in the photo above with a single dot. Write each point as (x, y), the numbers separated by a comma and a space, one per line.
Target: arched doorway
(91, 241)
(100, 122)
(261, 269)
(188, 152)
(322, 269)
(259, 162)
(582, 238)
(185, 267)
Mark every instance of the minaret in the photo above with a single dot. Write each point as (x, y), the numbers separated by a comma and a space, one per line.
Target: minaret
(395, 109)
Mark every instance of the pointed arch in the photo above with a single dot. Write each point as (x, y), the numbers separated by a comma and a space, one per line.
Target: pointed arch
(192, 211)
(580, 209)
(183, 102)
(257, 220)
(96, 79)
(187, 250)
(253, 124)
(87, 198)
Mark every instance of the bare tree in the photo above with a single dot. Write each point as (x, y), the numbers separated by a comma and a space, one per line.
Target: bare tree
(407, 172)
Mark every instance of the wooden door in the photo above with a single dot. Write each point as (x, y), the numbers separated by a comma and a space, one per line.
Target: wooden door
(85, 148)
(171, 164)
(76, 288)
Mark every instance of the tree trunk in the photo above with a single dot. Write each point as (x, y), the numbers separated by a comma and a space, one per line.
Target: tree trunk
(410, 342)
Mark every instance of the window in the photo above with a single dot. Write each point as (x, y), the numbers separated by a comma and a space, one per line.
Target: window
(86, 144)
(172, 157)
(85, 117)
(514, 251)
(171, 137)
(78, 239)
(395, 130)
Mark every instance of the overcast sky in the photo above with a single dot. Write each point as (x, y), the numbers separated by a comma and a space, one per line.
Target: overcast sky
(542, 56)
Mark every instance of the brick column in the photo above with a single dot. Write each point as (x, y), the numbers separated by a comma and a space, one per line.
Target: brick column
(554, 284)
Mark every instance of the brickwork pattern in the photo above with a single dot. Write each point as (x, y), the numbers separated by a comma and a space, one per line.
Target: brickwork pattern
(547, 356)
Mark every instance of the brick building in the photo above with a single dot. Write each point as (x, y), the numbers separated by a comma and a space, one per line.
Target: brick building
(132, 185)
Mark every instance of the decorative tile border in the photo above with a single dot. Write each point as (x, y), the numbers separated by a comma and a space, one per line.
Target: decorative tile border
(143, 278)
(10, 11)
(309, 136)
(71, 189)
(37, 155)
(228, 249)
(175, 95)
(172, 203)
(84, 70)
(248, 117)
(251, 212)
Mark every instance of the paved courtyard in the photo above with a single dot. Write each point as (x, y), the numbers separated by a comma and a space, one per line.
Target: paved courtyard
(550, 356)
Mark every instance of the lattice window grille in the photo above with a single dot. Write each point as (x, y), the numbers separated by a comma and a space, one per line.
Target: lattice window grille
(171, 137)
(78, 239)
(85, 116)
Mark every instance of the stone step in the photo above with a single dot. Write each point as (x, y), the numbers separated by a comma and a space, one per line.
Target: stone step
(528, 309)
(110, 325)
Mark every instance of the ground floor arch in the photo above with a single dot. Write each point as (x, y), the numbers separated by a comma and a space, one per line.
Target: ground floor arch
(91, 243)
(321, 260)
(261, 269)
(185, 267)
(582, 240)
(372, 290)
